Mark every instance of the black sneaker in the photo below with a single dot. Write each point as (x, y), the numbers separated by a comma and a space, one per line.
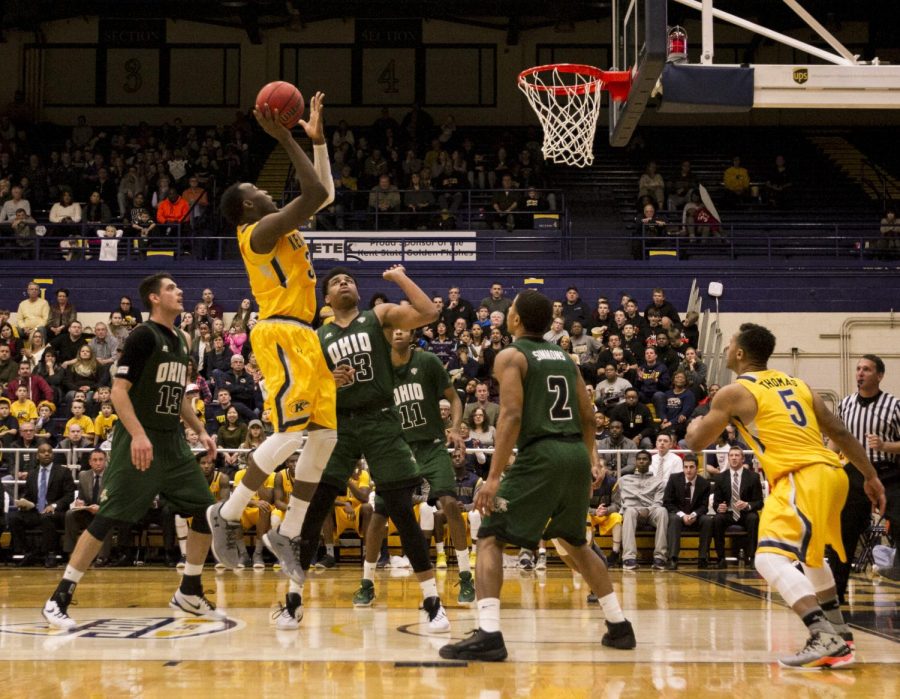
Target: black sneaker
(480, 645)
(384, 560)
(593, 599)
(619, 636)
(613, 560)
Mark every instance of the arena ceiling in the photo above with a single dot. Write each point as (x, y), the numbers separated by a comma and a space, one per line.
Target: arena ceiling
(510, 16)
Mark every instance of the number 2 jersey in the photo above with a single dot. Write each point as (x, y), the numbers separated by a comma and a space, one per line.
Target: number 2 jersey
(550, 404)
(283, 281)
(363, 346)
(154, 360)
(785, 434)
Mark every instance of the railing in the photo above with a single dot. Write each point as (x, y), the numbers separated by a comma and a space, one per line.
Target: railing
(82, 241)
(772, 240)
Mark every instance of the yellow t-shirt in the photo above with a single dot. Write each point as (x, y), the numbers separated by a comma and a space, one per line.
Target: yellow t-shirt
(87, 425)
(785, 434)
(364, 482)
(23, 410)
(103, 425)
(282, 281)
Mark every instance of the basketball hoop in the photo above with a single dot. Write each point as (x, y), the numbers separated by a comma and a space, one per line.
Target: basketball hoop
(566, 98)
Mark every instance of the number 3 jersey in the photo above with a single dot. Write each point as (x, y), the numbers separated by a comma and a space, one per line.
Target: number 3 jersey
(550, 402)
(363, 346)
(154, 360)
(785, 434)
(419, 386)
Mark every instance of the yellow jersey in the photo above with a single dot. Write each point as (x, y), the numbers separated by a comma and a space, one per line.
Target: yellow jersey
(283, 281)
(23, 410)
(216, 486)
(785, 434)
(364, 482)
(103, 425)
(286, 483)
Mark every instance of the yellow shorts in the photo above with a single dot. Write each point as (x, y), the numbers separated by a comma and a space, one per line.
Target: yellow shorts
(299, 387)
(249, 517)
(802, 515)
(346, 522)
(606, 523)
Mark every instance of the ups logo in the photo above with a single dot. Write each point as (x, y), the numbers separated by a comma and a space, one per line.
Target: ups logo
(801, 75)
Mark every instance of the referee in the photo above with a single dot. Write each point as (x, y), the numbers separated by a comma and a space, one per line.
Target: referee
(873, 417)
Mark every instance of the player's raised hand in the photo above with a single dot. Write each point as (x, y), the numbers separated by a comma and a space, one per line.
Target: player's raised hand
(315, 126)
(270, 122)
(394, 274)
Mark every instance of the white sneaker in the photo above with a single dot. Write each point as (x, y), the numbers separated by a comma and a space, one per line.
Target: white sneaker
(57, 616)
(541, 563)
(438, 622)
(196, 605)
(288, 617)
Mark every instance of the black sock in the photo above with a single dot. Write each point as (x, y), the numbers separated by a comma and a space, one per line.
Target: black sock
(64, 591)
(816, 622)
(190, 585)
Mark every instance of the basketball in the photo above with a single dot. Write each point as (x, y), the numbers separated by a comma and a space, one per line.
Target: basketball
(285, 98)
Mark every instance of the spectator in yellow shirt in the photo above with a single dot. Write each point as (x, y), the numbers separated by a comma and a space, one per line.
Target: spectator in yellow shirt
(23, 408)
(33, 312)
(737, 180)
(104, 423)
(80, 419)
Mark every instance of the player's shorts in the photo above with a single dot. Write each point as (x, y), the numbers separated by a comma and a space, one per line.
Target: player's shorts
(343, 521)
(545, 495)
(436, 468)
(802, 515)
(606, 523)
(299, 386)
(375, 434)
(174, 474)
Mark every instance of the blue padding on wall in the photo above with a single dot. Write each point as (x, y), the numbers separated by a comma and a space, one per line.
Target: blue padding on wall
(708, 89)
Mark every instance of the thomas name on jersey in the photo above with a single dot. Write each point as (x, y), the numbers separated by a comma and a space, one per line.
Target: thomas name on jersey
(349, 345)
(778, 382)
(172, 372)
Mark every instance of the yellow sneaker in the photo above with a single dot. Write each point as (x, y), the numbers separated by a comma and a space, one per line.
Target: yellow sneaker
(472, 558)
(441, 561)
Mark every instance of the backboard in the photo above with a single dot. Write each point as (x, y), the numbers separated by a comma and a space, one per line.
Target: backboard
(639, 36)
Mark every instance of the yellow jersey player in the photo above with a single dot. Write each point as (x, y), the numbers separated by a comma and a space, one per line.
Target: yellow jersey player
(299, 388)
(783, 421)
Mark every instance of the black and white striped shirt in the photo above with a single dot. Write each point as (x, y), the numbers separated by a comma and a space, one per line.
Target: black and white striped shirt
(880, 416)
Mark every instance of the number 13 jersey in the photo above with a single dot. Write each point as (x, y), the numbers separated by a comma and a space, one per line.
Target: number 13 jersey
(363, 346)
(785, 434)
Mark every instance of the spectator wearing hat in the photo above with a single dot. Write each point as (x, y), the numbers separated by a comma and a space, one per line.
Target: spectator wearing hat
(44, 427)
(198, 405)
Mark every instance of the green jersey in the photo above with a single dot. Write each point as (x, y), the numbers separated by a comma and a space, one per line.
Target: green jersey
(363, 346)
(154, 360)
(419, 386)
(550, 404)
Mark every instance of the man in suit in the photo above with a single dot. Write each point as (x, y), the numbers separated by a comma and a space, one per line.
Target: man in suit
(737, 502)
(90, 485)
(687, 498)
(49, 490)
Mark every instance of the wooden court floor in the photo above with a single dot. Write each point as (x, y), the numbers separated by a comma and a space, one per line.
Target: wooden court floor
(699, 633)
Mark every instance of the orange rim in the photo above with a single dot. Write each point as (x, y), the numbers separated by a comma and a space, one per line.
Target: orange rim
(617, 82)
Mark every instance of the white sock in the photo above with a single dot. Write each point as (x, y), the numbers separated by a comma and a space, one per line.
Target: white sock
(73, 575)
(542, 550)
(237, 501)
(611, 609)
(295, 587)
(489, 614)
(193, 568)
(293, 518)
(429, 588)
(462, 560)
(368, 571)
(439, 547)
(329, 549)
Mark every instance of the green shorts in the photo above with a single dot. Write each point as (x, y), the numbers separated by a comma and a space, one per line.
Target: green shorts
(174, 474)
(546, 492)
(436, 468)
(375, 435)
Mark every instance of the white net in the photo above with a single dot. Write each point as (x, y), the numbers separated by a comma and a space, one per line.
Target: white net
(568, 104)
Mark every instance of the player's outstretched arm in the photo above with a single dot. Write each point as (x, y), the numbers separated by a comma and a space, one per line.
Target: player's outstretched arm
(420, 310)
(312, 193)
(837, 432)
(733, 399)
(315, 129)
(509, 368)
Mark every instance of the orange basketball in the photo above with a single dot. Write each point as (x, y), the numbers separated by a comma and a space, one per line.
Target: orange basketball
(285, 98)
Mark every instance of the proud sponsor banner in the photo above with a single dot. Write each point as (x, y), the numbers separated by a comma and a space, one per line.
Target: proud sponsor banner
(392, 246)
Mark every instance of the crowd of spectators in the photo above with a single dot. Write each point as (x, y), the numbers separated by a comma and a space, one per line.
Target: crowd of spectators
(645, 377)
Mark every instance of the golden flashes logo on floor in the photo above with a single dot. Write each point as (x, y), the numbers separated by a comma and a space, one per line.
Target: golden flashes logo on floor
(130, 629)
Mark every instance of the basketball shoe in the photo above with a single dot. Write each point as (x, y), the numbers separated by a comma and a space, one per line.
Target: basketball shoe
(365, 594)
(287, 616)
(195, 605)
(287, 551)
(466, 588)
(56, 613)
(619, 635)
(437, 617)
(225, 536)
(822, 651)
(480, 645)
